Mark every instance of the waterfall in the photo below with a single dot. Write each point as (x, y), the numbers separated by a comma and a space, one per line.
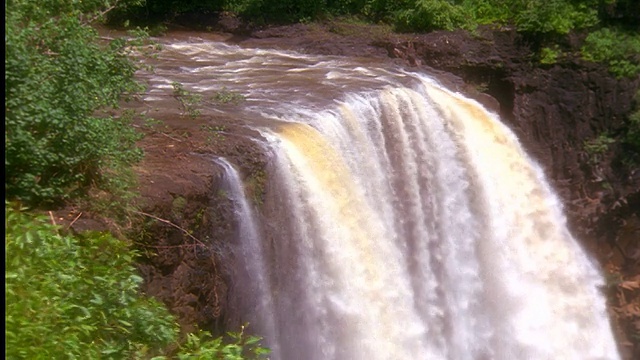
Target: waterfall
(251, 270)
(401, 220)
(418, 228)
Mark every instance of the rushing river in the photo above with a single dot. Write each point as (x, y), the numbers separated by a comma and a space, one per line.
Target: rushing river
(403, 221)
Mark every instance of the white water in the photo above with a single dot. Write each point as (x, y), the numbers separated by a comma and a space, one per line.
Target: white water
(251, 272)
(404, 222)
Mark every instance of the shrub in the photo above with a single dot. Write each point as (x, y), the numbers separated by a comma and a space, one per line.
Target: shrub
(426, 15)
(57, 79)
(618, 49)
(535, 16)
(488, 11)
(553, 16)
(75, 297)
(550, 55)
(202, 346)
(597, 147)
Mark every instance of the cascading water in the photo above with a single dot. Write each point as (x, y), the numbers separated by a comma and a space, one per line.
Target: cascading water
(406, 222)
(252, 271)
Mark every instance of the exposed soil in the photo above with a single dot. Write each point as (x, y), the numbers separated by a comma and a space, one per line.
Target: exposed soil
(553, 109)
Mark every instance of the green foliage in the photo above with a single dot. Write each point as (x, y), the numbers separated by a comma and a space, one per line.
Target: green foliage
(75, 297)
(553, 16)
(188, 100)
(618, 49)
(549, 55)
(215, 134)
(226, 96)
(384, 10)
(595, 148)
(57, 79)
(599, 145)
(489, 11)
(201, 346)
(535, 16)
(427, 15)
(154, 12)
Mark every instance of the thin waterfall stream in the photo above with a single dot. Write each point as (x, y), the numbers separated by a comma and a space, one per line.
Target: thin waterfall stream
(402, 220)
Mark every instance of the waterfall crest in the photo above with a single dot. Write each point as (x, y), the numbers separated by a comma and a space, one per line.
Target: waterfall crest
(418, 228)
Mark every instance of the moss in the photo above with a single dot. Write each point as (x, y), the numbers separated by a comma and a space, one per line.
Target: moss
(255, 185)
(178, 205)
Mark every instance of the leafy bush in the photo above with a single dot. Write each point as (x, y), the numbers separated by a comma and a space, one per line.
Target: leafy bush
(189, 102)
(426, 15)
(550, 55)
(150, 12)
(535, 16)
(75, 297)
(553, 16)
(489, 11)
(57, 78)
(201, 346)
(617, 48)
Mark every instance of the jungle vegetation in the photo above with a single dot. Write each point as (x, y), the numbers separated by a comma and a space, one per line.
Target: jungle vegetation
(611, 27)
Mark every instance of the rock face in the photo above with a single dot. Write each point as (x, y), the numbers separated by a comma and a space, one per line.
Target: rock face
(555, 110)
(186, 219)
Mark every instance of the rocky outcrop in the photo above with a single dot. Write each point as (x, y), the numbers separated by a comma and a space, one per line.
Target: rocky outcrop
(186, 221)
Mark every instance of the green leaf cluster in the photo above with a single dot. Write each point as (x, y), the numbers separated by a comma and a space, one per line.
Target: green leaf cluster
(535, 16)
(427, 15)
(59, 80)
(226, 96)
(617, 48)
(189, 102)
(77, 297)
(550, 55)
(202, 346)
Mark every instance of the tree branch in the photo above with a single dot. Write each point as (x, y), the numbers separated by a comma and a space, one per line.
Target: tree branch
(172, 224)
(101, 14)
